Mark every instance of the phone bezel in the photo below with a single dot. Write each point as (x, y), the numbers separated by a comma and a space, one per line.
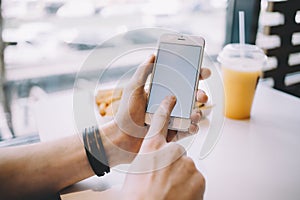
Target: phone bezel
(178, 123)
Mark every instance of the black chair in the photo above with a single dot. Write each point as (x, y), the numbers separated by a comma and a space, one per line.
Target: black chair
(285, 32)
(282, 53)
(251, 9)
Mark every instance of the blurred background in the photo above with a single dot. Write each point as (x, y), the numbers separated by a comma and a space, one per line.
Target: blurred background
(46, 41)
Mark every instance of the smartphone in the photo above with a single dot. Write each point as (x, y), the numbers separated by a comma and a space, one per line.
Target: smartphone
(176, 72)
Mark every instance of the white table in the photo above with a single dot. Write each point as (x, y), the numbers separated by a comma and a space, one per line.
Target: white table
(254, 159)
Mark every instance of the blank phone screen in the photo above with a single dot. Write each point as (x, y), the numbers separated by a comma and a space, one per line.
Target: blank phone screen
(175, 74)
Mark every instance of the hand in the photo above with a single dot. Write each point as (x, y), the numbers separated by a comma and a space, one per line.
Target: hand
(130, 117)
(201, 98)
(129, 120)
(161, 170)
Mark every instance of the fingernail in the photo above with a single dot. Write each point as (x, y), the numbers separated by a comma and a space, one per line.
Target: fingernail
(205, 73)
(171, 98)
(150, 57)
(170, 101)
(147, 60)
(202, 97)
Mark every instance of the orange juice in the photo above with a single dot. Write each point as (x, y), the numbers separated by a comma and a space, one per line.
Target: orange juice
(239, 91)
(241, 68)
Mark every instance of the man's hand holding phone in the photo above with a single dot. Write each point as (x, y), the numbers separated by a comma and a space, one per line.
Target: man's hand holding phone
(176, 72)
(130, 117)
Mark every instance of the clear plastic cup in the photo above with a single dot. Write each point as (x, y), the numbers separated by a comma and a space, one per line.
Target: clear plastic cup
(241, 69)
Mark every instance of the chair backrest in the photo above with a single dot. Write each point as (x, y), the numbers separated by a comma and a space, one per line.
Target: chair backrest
(288, 49)
(287, 53)
(251, 9)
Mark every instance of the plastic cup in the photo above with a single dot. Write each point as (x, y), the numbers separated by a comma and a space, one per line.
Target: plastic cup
(241, 69)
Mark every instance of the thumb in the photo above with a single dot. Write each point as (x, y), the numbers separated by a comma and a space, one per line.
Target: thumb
(160, 120)
(141, 74)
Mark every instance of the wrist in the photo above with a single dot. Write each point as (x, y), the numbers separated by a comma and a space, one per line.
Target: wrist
(120, 147)
(95, 151)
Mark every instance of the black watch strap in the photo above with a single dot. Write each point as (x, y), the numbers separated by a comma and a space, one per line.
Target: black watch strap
(95, 151)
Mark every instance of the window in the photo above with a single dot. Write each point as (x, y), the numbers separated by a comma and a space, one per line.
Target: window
(46, 40)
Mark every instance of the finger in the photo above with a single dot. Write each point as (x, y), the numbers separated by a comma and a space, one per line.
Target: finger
(160, 120)
(140, 76)
(195, 118)
(194, 128)
(201, 96)
(147, 91)
(173, 135)
(204, 73)
(182, 134)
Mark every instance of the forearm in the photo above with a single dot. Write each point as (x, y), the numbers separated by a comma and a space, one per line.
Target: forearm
(41, 169)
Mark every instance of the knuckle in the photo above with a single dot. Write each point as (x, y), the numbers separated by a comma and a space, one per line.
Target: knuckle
(198, 186)
(198, 117)
(193, 129)
(176, 149)
(161, 112)
(189, 163)
(200, 181)
(200, 177)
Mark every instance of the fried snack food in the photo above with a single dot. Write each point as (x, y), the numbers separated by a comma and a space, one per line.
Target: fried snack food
(108, 101)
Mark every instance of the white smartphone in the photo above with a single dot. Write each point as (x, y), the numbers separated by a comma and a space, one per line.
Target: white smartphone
(176, 72)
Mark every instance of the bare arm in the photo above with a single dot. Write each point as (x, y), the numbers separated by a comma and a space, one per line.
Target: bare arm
(38, 170)
(42, 169)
